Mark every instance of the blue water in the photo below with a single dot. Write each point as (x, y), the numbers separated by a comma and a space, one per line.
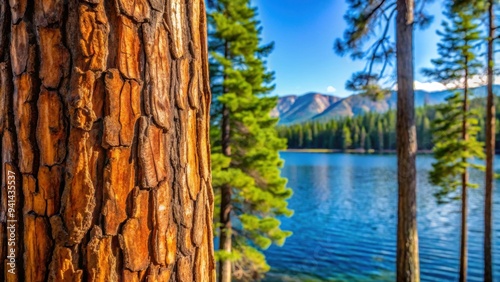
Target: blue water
(345, 222)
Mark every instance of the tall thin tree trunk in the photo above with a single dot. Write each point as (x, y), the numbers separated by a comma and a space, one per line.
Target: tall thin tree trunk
(465, 182)
(225, 243)
(463, 241)
(408, 268)
(225, 240)
(490, 148)
(104, 115)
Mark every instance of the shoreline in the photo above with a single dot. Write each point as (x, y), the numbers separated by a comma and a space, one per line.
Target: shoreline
(351, 151)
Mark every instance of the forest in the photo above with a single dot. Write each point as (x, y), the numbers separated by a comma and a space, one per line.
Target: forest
(373, 131)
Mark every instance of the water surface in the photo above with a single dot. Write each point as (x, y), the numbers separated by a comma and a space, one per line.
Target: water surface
(346, 215)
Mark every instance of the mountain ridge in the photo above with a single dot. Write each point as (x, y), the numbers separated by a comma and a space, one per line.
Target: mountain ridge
(313, 106)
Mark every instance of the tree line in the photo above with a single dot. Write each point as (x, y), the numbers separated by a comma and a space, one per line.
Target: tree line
(373, 131)
(369, 132)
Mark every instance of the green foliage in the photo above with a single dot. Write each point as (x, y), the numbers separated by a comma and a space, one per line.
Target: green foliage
(240, 84)
(456, 131)
(368, 37)
(251, 264)
(457, 57)
(346, 138)
(454, 154)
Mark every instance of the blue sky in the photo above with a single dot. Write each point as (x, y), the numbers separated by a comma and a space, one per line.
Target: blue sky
(304, 32)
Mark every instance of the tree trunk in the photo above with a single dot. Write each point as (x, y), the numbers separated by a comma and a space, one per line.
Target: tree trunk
(463, 241)
(225, 243)
(490, 149)
(465, 182)
(225, 233)
(104, 111)
(225, 240)
(408, 268)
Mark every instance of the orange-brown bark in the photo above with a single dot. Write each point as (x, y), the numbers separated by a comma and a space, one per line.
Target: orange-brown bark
(104, 111)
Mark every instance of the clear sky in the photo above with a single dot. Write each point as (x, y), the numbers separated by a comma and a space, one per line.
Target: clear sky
(304, 32)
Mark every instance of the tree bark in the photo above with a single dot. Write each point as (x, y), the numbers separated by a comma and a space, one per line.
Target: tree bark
(104, 115)
(408, 268)
(490, 148)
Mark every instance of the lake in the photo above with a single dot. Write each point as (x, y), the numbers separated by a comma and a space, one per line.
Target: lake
(345, 222)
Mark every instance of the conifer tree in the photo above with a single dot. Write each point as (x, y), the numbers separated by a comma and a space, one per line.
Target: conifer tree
(372, 18)
(362, 140)
(245, 145)
(487, 7)
(355, 137)
(309, 136)
(380, 136)
(455, 133)
(490, 144)
(346, 138)
(426, 133)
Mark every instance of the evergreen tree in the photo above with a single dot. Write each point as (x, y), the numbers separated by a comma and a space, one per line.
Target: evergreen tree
(489, 130)
(245, 145)
(300, 143)
(368, 18)
(455, 134)
(346, 138)
(380, 136)
(355, 137)
(362, 140)
(368, 144)
(426, 133)
(308, 137)
(419, 129)
(490, 143)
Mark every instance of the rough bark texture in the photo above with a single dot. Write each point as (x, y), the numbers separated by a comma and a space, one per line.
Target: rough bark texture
(104, 113)
(490, 149)
(407, 246)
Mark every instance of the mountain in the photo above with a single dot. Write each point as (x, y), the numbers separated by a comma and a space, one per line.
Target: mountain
(316, 106)
(293, 108)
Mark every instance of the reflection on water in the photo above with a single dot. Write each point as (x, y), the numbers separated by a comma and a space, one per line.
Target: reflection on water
(345, 222)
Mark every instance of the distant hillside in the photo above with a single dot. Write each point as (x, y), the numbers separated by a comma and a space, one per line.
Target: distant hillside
(316, 106)
(293, 108)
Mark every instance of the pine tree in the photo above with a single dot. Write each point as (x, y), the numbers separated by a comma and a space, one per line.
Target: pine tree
(245, 159)
(365, 19)
(490, 144)
(300, 138)
(380, 135)
(362, 139)
(426, 133)
(346, 138)
(308, 136)
(368, 144)
(455, 134)
(355, 137)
